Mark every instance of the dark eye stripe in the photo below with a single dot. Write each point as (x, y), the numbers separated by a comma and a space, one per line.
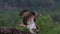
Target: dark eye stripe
(33, 13)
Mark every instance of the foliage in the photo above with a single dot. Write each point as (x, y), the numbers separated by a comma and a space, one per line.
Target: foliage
(46, 26)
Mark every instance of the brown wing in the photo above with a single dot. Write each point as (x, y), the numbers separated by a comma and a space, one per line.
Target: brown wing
(25, 21)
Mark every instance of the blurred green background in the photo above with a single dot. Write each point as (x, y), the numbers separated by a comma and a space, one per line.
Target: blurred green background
(49, 22)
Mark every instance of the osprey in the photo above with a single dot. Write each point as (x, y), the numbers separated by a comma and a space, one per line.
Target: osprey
(29, 20)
